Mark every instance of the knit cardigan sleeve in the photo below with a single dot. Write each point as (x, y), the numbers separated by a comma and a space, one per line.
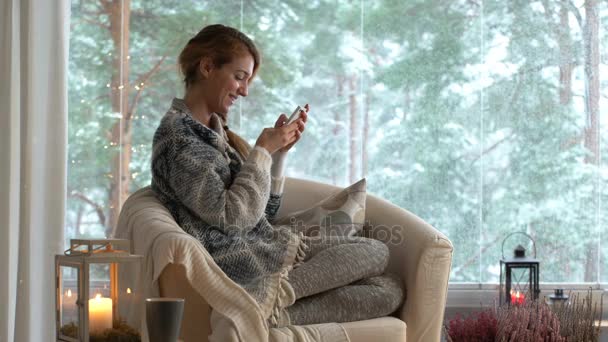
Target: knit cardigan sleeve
(277, 181)
(196, 181)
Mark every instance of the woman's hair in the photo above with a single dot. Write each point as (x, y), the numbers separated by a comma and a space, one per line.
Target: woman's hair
(222, 44)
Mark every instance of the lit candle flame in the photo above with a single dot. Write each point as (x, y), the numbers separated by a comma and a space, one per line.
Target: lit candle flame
(128, 290)
(98, 296)
(517, 297)
(69, 293)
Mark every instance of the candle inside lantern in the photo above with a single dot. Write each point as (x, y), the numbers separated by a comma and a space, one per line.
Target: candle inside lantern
(69, 309)
(517, 297)
(100, 314)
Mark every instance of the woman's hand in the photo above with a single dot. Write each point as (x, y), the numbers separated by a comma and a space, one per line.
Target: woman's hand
(282, 137)
(303, 118)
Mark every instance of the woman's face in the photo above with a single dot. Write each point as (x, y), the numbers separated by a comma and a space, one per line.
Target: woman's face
(228, 82)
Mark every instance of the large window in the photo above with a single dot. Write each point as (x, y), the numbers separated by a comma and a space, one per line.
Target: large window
(481, 117)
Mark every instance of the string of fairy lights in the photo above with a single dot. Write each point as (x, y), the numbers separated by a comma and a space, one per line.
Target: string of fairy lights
(139, 87)
(110, 145)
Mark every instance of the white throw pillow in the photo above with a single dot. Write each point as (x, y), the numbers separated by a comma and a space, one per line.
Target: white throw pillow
(342, 214)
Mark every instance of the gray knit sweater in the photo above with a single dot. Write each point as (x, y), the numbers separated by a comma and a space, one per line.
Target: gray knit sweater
(225, 202)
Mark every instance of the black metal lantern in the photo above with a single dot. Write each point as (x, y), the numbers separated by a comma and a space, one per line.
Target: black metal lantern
(519, 275)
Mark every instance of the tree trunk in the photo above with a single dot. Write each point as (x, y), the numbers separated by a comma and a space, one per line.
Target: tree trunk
(566, 62)
(120, 139)
(352, 99)
(592, 87)
(364, 155)
(337, 128)
(78, 220)
(561, 32)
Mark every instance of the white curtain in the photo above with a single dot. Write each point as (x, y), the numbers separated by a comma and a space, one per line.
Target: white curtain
(33, 152)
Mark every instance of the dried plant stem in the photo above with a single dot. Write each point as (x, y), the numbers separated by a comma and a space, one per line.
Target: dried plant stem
(578, 319)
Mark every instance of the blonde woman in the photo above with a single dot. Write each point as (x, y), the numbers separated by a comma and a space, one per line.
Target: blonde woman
(226, 194)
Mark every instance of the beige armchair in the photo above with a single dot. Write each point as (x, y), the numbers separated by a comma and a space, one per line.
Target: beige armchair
(419, 253)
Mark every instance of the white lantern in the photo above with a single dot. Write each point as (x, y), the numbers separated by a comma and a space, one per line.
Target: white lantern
(99, 292)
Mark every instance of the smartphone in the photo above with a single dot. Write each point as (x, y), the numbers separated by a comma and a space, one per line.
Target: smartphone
(295, 115)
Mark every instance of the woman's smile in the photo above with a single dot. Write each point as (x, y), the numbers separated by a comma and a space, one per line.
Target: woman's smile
(233, 99)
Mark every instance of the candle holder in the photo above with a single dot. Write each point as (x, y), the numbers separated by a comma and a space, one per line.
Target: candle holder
(558, 299)
(99, 292)
(519, 275)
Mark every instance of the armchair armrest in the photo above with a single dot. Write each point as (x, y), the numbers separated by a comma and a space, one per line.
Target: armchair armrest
(174, 283)
(422, 256)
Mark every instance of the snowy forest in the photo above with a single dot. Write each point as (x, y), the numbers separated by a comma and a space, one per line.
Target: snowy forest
(482, 117)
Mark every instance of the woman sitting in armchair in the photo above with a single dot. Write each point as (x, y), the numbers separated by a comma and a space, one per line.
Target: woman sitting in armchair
(226, 195)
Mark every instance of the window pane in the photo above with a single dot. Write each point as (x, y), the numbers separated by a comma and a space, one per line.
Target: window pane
(541, 130)
(158, 32)
(425, 118)
(122, 77)
(603, 127)
(536, 176)
(472, 115)
(97, 89)
(309, 56)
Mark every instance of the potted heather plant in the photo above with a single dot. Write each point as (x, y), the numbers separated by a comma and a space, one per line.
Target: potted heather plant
(531, 322)
(479, 327)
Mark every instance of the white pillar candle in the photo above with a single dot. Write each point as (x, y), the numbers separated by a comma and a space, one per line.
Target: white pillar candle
(100, 314)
